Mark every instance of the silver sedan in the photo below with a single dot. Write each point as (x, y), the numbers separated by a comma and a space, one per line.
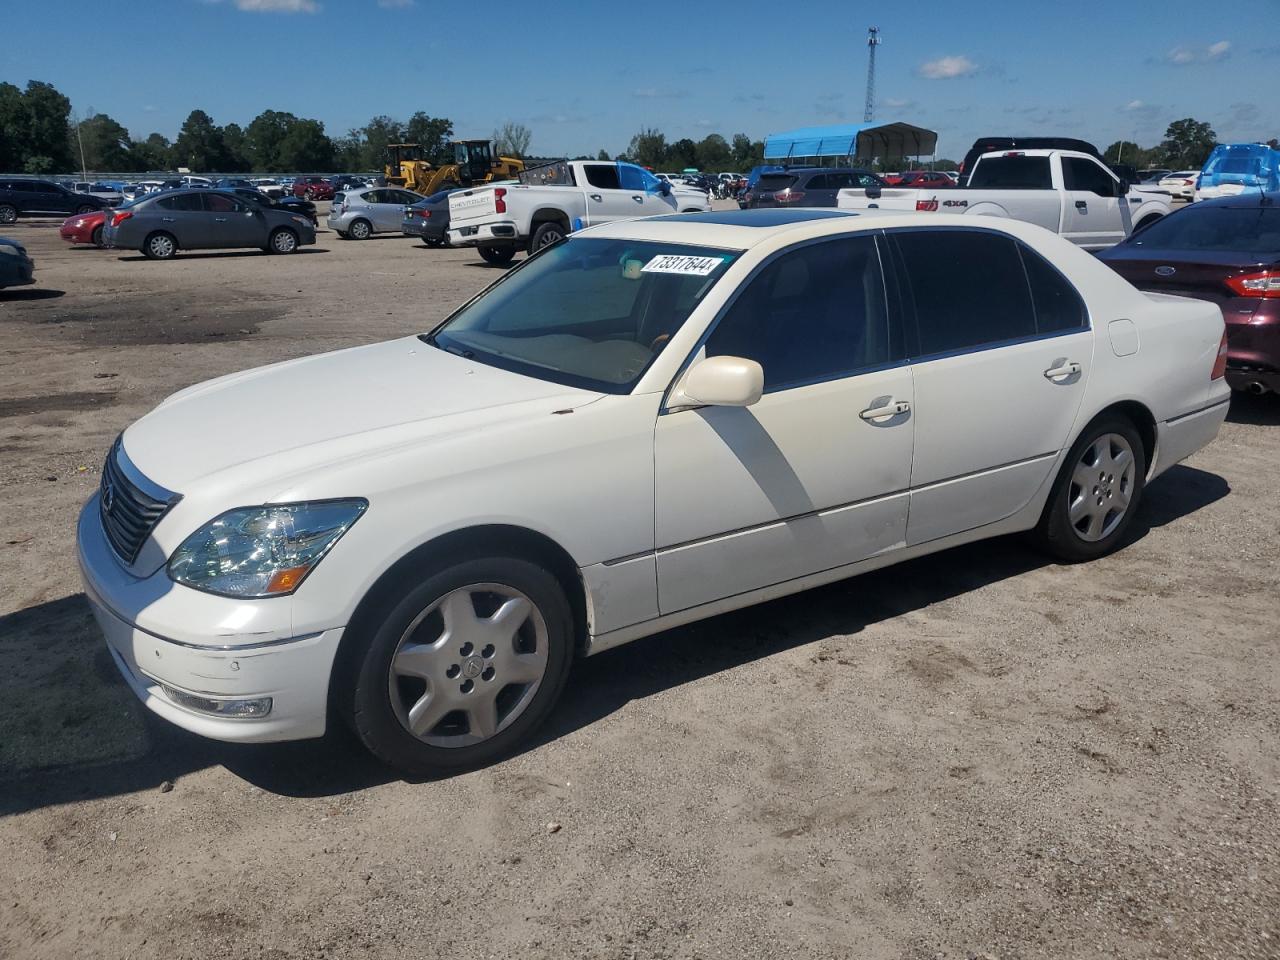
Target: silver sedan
(360, 213)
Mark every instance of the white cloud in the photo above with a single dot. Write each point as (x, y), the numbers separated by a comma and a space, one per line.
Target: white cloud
(278, 6)
(897, 103)
(396, 4)
(1183, 56)
(1134, 105)
(946, 68)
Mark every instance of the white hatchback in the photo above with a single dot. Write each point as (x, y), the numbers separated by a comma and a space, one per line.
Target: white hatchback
(648, 423)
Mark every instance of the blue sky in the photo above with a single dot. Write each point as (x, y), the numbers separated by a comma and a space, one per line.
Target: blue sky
(586, 75)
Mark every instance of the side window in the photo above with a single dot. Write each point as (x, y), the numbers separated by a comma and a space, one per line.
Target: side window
(814, 313)
(969, 288)
(1058, 304)
(1081, 174)
(818, 182)
(1015, 172)
(221, 203)
(840, 181)
(181, 201)
(632, 177)
(866, 180)
(602, 175)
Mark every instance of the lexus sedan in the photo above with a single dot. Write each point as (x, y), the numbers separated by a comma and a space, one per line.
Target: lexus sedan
(161, 224)
(84, 228)
(650, 422)
(1225, 251)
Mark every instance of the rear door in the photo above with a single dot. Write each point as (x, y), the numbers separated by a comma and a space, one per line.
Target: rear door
(1095, 215)
(182, 215)
(1001, 355)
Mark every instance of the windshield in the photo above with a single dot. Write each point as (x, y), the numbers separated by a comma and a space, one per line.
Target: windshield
(1226, 229)
(587, 312)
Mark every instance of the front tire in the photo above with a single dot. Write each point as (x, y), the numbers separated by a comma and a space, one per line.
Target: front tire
(497, 256)
(96, 237)
(282, 241)
(160, 246)
(1096, 494)
(462, 667)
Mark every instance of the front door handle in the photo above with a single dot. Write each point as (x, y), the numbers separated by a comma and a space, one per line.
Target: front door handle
(1081, 205)
(597, 198)
(219, 219)
(169, 219)
(1063, 370)
(891, 408)
(637, 199)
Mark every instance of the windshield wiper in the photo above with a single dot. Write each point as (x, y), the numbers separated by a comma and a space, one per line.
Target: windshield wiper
(430, 338)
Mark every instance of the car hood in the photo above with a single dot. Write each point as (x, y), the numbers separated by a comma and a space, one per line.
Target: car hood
(297, 415)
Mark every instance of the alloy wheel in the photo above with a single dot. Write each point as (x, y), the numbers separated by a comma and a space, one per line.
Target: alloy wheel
(468, 665)
(1101, 487)
(284, 241)
(161, 247)
(8, 214)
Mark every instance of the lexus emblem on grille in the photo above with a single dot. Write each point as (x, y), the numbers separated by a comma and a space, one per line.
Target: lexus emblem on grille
(1165, 271)
(108, 496)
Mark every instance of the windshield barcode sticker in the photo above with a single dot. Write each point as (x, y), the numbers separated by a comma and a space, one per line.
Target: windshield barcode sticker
(688, 266)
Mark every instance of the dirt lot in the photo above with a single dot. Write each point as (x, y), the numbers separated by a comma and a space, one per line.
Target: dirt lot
(975, 754)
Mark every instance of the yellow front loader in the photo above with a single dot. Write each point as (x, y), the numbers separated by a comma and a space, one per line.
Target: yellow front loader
(473, 163)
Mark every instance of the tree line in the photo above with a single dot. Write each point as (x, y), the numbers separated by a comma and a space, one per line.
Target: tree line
(1186, 145)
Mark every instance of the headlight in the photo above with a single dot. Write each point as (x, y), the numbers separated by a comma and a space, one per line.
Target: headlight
(262, 551)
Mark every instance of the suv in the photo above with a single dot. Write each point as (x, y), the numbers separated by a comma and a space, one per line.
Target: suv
(24, 195)
(313, 188)
(806, 186)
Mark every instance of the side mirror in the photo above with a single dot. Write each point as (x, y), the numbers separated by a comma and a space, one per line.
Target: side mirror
(1124, 188)
(724, 382)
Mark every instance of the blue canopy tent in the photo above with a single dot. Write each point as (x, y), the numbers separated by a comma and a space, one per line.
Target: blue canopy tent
(865, 140)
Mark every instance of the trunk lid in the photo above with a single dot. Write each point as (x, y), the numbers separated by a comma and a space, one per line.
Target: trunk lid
(1202, 274)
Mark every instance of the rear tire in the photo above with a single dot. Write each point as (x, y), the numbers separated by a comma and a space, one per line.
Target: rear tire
(160, 246)
(360, 230)
(544, 235)
(8, 213)
(497, 256)
(1097, 492)
(96, 237)
(414, 669)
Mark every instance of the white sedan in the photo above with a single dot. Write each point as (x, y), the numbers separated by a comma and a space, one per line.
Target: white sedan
(1181, 184)
(648, 423)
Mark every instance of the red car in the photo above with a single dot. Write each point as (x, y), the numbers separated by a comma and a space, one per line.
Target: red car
(1226, 251)
(313, 188)
(924, 179)
(84, 228)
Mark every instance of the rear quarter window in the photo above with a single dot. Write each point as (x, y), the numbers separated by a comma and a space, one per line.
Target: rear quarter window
(1012, 173)
(775, 181)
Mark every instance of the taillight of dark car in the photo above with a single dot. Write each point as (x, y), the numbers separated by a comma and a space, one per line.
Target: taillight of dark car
(789, 195)
(1265, 284)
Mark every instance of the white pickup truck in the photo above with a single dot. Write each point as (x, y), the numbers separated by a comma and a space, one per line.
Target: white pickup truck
(553, 200)
(1070, 193)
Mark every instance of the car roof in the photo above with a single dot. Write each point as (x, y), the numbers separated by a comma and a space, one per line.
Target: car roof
(1241, 201)
(743, 229)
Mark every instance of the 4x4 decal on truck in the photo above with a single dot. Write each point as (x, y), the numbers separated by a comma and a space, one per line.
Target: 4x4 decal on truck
(955, 203)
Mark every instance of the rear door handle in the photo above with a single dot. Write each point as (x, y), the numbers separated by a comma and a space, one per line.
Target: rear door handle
(1063, 370)
(219, 219)
(597, 198)
(168, 219)
(892, 408)
(1081, 205)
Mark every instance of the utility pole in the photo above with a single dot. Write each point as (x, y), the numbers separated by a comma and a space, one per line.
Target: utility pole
(873, 41)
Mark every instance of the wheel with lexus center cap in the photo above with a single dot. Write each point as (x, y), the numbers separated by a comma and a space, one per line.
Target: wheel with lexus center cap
(463, 665)
(1097, 492)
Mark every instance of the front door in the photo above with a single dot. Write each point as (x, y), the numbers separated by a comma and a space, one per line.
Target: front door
(1002, 353)
(231, 222)
(1095, 214)
(606, 200)
(815, 474)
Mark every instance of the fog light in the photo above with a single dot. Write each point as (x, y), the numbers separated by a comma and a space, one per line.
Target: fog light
(242, 709)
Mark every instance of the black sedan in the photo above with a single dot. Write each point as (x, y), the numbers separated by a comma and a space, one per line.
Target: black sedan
(161, 224)
(429, 219)
(296, 205)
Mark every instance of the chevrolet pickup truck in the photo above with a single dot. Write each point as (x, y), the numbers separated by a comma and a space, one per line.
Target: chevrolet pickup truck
(553, 200)
(1071, 193)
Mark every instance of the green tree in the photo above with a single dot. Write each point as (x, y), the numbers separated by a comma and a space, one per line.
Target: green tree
(263, 137)
(512, 140)
(376, 134)
(747, 153)
(153, 153)
(1188, 143)
(714, 153)
(306, 147)
(13, 128)
(683, 153)
(349, 153)
(435, 135)
(603, 154)
(39, 163)
(648, 148)
(237, 149)
(199, 146)
(47, 112)
(106, 144)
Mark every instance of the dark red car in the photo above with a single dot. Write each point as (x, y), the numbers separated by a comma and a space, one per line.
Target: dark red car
(923, 180)
(84, 228)
(1226, 251)
(313, 188)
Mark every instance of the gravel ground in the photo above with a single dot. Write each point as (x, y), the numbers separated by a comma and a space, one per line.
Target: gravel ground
(975, 754)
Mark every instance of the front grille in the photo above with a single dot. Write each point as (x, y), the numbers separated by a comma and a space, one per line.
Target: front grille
(129, 513)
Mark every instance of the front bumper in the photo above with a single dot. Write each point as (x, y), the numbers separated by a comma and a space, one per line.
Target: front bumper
(502, 233)
(292, 671)
(22, 273)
